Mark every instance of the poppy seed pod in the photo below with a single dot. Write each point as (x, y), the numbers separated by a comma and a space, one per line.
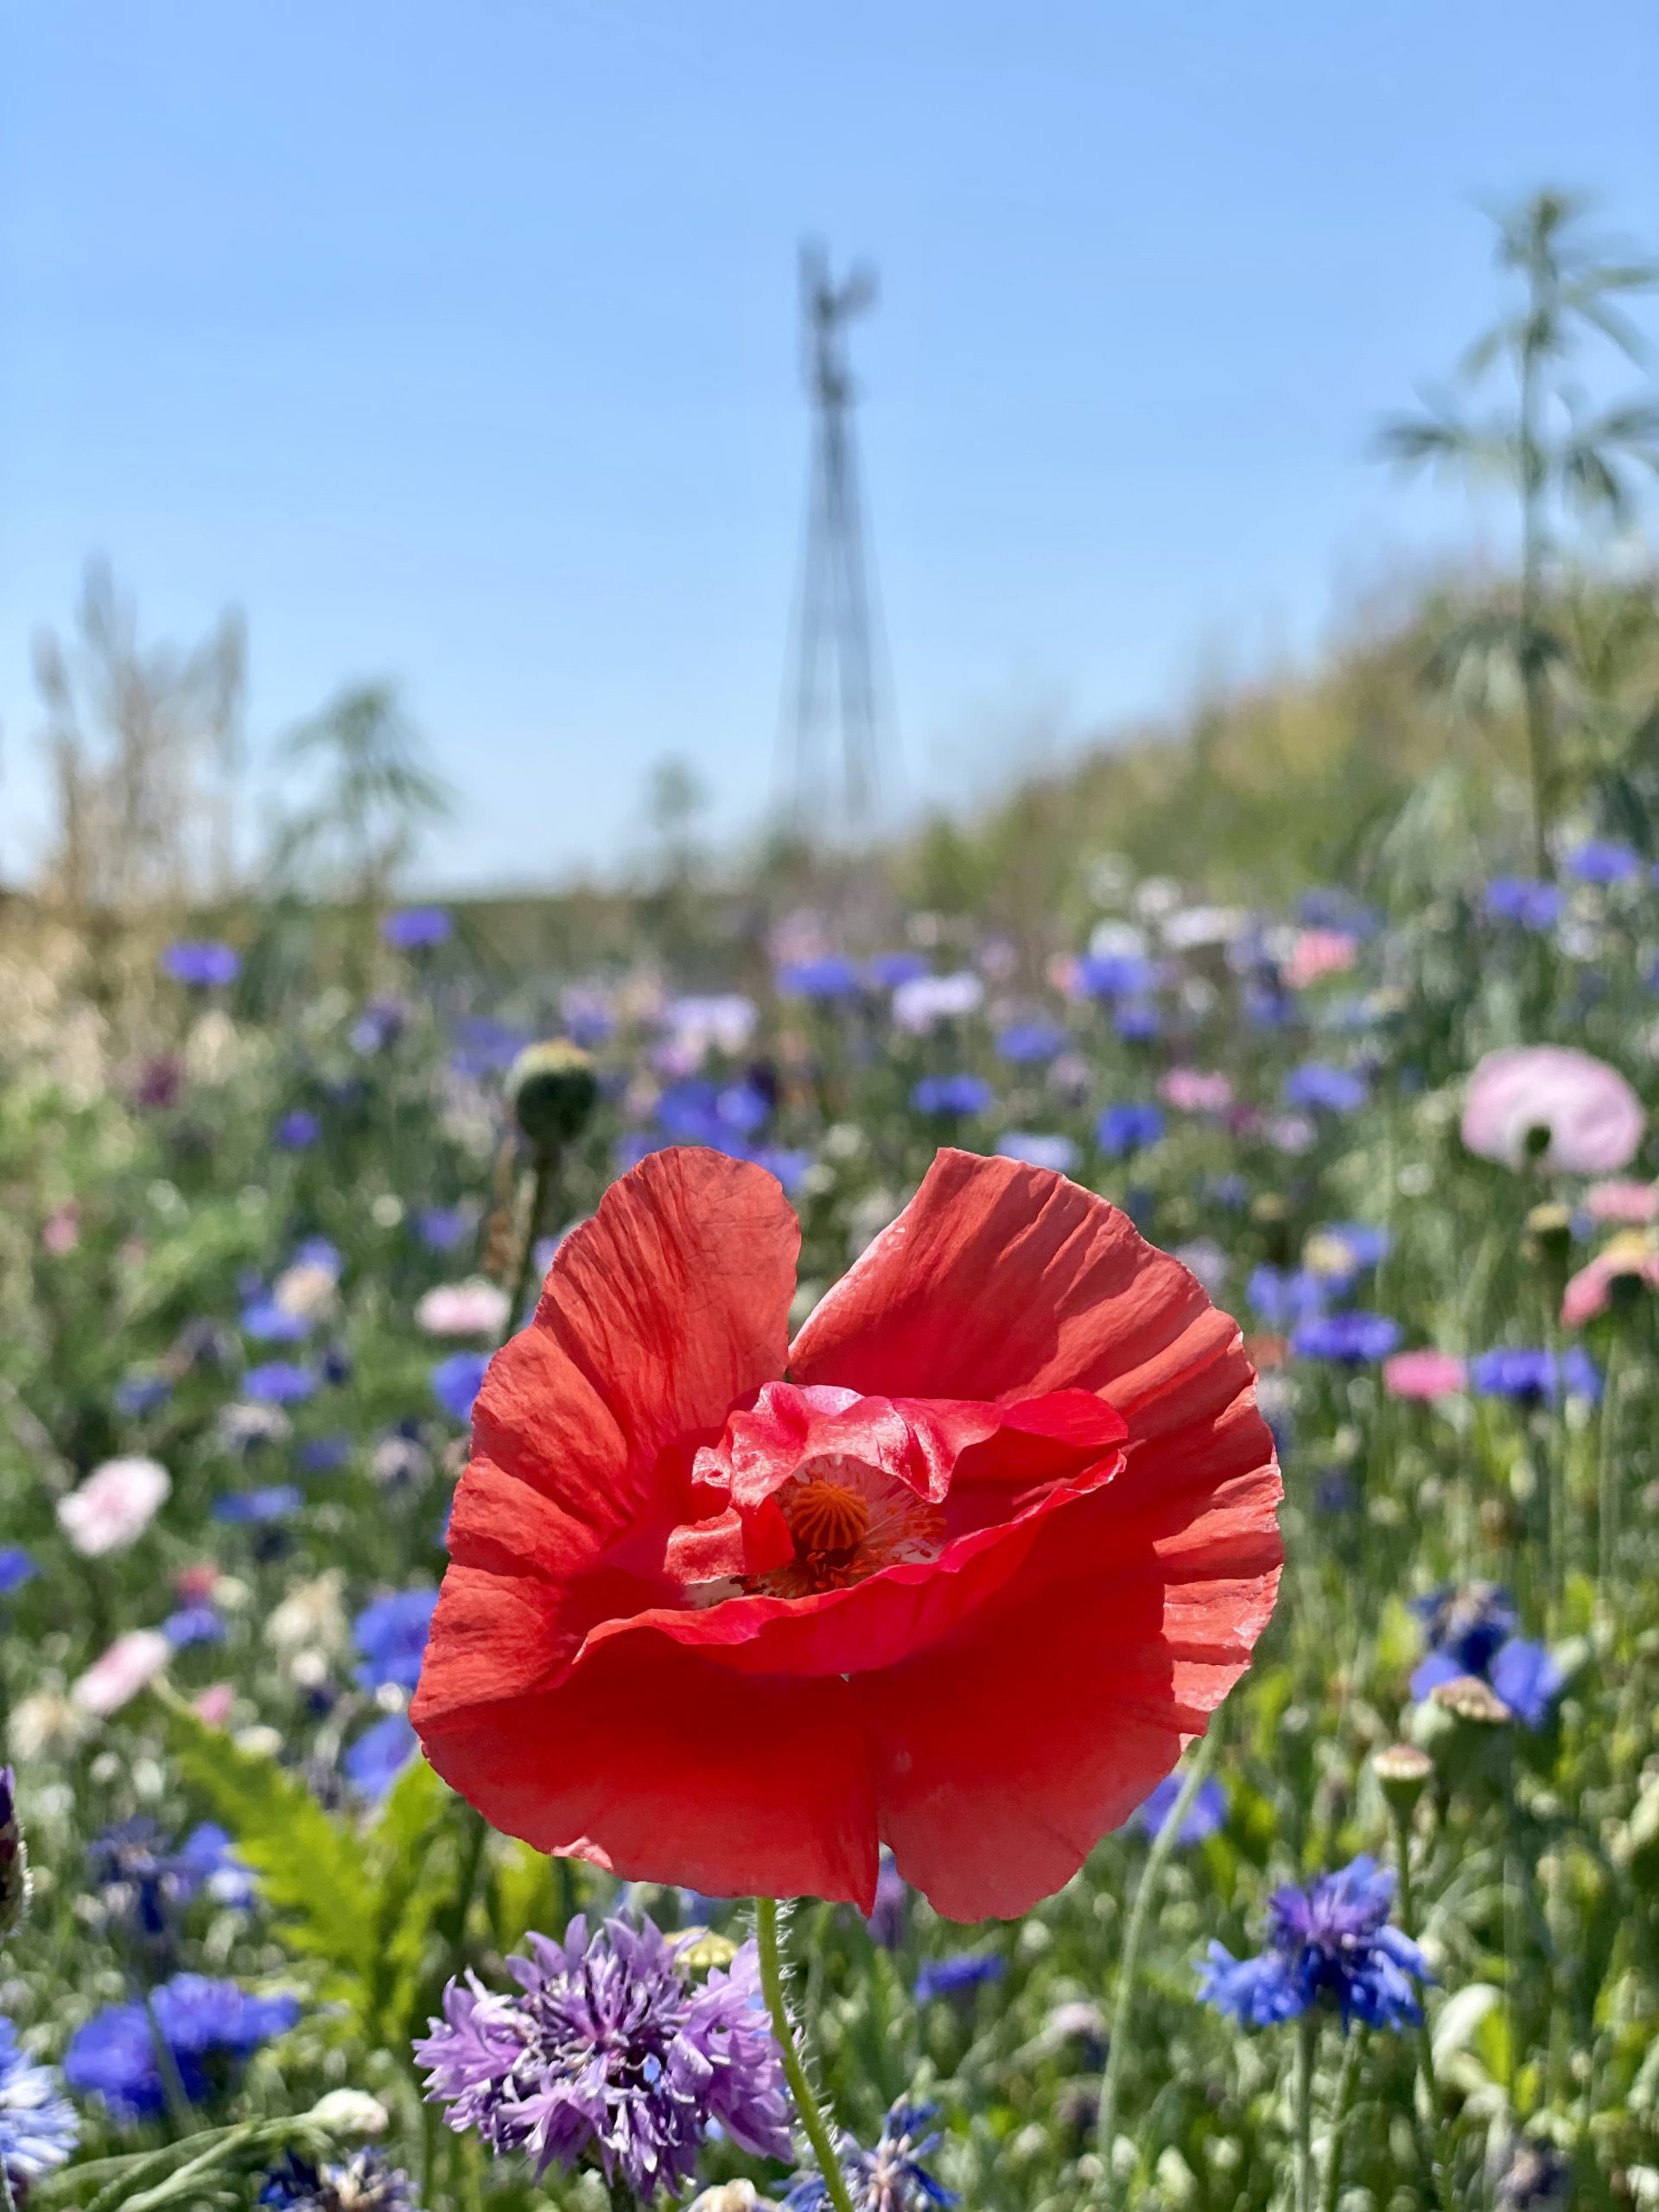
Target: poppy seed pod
(552, 1089)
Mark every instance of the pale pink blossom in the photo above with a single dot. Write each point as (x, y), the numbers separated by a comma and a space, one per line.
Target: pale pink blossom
(1590, 1292)
(474, 1308)
(60, 1230)
(1587, 1119)
(1194, 1090)
(1317, 953)
(114, 1506)
(1424, 1374)
(132, 1662)
(215, 1705)
(1634, 1204)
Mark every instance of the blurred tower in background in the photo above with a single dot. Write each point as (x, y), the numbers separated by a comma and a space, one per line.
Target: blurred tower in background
(829, 759)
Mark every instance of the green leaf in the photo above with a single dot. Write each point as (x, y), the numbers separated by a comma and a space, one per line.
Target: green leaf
(313, 1871)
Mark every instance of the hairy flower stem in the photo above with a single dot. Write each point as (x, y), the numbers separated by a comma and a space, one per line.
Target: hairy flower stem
(622, 2197)
(180, 2110)
(1347, 2083)
(1427, 2140)
(541, 1191)
(1307, 2037)
(1118, 2039)
(806, 2104)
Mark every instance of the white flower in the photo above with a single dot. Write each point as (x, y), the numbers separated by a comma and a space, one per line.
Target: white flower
(114, 1506)
(132, 1662)
(474, 1308)
(925, 1000)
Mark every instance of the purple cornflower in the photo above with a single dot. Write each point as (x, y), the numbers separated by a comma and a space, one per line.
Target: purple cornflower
(1331, 1943)
(1603, 860)
(1351, 1338)
(17, 1567)
(298, 1131)
(390, 1635)
(253, 1508)
(379, 1755)
(1528, 1376)
(1279, 1297)
(201, 963)
(417, 928)
(1026, 1043)
(278, 1383)
(831, 976)
(890, 2178)
(1037, 1150)
(610, 2048)
(1470, 1632)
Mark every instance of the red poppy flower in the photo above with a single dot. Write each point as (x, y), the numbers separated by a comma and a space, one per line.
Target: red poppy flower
(965, 1581)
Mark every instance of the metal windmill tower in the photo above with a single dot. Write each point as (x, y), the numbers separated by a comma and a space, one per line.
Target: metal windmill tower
(832, 729)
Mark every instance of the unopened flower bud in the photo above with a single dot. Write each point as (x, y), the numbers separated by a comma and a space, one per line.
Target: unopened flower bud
(1402, 1770)
(552, 1088)
(349, 2112)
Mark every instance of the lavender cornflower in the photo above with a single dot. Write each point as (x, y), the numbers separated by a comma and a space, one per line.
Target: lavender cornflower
(1350, 1338)
(1328, 1943)
(889, 2178)
(1206, 1816)
(457, 1381)
(611, 2049)
(363, 2183)
(38, 2125)
(415, 928)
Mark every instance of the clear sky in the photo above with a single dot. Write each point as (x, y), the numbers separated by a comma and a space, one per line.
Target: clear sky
(456, 342)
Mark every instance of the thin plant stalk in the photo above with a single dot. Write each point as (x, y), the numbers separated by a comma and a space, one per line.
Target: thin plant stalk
(1607, 1469)
(1118, 2035)
(806, 2104)
(1307, 2037)
(541, 1190)
(1347, 2083)
(1431, 2151)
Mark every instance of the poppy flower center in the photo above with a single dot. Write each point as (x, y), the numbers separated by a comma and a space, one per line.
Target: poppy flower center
(828, 1519)
(846, 1520)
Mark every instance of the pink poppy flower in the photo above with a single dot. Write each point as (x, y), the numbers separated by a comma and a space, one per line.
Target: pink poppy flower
(1425, 1373)
(1317, 953)
(114, 1506)
(1555, 1105)
(476, 1308)
(132, 1662)
(1590, 1292)
(1194, 1090)
(1634, 1204)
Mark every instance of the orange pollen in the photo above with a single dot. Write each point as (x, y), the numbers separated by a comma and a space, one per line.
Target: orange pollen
(826, 1519)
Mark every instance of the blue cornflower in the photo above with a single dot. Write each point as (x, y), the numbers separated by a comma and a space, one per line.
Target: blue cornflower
(278, 1383)
(1036, 1150)
(269, 1322)
(1465, 1625)
(38, 2127)
(889, 970)
(193, 1624)
(1279, 1297)
(831, 976)
(1328, 1944)
(608, 2048)
(1520, 898)
(485, 1046)
(17, 1567)
(144, 1880)
(1206, 1816)
(1136, 1019)
(211, 2027)
(416, 928)
(1028, 1043)
(441, 1228)
(956, 1976)
(1364, 1245)
(889, 2178)
(373, 1761)
(791, 1167)
(252, 1509)
(325, 1455)
(1126, 1127)
(1115, 975)
(1348, 1338)
(390, 1637)
(1603, 860)
(138, 1395)
(1316, 1084)
(201, 963)
(1530, 1375)
(456, 1381)
(955, 1095)
(298, 1131)
(1528, 1678)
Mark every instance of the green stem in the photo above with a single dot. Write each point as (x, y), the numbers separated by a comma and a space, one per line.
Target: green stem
(1347, 2083)
(806, 2105)
(1118, 2037)
(547, 1167)
(1607, 1470)
(621, 2195)
(1307, 2037)
(1425, 2047)
(181, 2111)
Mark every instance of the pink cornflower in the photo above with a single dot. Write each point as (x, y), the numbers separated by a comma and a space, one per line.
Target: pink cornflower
(1633, 1204)
(1317, 953)
(114, 1506)
(1196, 1090)
(1425, 1373)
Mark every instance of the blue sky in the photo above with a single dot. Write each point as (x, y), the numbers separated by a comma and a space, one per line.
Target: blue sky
(457, 344)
